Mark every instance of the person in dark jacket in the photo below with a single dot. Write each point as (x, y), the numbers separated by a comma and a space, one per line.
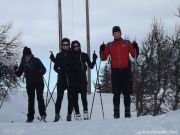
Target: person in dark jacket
(67, 66)
(119, 50)
(84, 61)
(33, 70)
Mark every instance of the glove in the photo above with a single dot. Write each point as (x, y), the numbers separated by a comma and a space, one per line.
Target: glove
(58, 70)
(102, 47)
(63, 68)
(52, 57)
(94, 56)
(135, 45)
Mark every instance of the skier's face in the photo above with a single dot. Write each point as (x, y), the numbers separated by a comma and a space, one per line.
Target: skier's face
(117, 35)
(27, 58)
(76, 47)
(65, 45)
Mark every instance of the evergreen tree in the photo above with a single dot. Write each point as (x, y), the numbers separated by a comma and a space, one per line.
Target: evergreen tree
(156, 80)
(105, 79)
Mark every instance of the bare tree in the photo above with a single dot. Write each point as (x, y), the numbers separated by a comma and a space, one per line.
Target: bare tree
(157, 72)
(174, 100)
(9, 48)
(152, 72)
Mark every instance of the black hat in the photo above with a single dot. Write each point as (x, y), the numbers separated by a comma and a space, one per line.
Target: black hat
(75, 42)
(65, 40)
(27, 51)
(116, 29)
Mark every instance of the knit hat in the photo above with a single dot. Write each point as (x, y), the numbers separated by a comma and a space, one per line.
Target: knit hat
(116, 29)
(27, 51)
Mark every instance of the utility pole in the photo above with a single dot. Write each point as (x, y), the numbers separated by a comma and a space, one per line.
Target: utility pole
(60, 23)
(88, 45)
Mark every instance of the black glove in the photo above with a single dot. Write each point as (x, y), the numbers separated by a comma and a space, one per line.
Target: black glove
(63, 68)
(52, 57)
(94, 56)
(102, 47)
(58, 70)
(135, 45)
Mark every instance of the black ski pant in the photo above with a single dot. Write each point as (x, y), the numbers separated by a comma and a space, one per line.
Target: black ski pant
(72, 96)
(116, 102)
(121, 84)
(83, 92)
(73, 101)
(38, 86)
(60, 95)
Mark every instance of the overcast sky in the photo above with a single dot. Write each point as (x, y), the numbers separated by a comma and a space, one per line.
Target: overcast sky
(37, 20)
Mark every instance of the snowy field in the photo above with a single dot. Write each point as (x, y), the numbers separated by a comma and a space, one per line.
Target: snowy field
(13, 116)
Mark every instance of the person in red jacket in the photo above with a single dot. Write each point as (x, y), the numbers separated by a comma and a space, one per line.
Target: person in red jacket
(119, 50)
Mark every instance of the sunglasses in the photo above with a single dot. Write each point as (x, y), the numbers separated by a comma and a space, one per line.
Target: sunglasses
(76, 46)
(65, 44)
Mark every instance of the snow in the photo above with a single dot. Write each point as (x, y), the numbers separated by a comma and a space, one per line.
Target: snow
(13, 116)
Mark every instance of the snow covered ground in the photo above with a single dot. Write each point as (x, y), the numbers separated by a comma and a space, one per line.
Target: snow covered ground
(13, 116)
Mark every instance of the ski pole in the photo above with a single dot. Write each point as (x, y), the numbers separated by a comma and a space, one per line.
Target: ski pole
(95, 87)
(51, 96)
(70, 93)
(49, 78)
(137, 92)
(48, 90)
(100, 90)
(100, 94)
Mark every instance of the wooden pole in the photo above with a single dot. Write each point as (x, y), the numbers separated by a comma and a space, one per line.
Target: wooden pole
(88, 45)
(60, 23)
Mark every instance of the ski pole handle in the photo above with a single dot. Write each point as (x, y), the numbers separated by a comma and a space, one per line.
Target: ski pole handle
(51, 52)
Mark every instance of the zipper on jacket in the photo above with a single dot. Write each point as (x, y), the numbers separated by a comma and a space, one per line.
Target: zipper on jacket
(119, 55)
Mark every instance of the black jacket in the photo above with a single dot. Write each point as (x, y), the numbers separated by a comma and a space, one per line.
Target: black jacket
(68, 67)
(34, 69)
(84, 61)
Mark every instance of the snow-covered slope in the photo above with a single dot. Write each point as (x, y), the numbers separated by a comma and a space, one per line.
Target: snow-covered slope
(13, 116)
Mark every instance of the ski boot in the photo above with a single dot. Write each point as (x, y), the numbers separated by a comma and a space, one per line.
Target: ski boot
(116, 112)
(68, 117)
(78, 117)
(116, 115)
(85, 115)
(57, 117)
(43, 119)
(29, 120)
(127, 113)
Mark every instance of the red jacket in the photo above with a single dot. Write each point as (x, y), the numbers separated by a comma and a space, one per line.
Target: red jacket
(119, 52)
